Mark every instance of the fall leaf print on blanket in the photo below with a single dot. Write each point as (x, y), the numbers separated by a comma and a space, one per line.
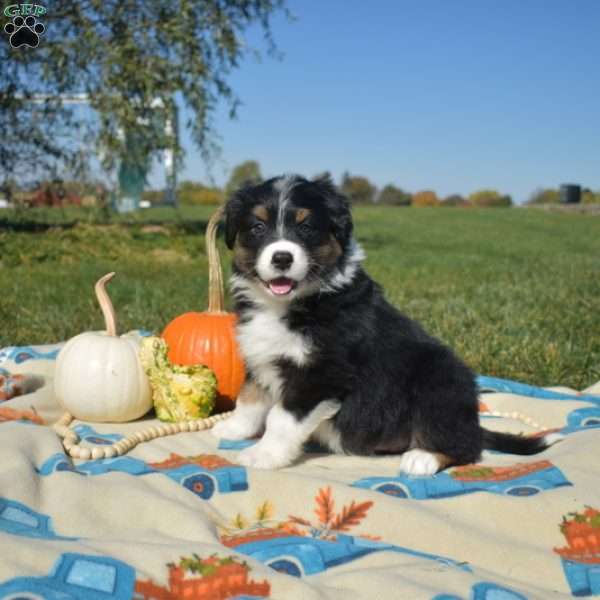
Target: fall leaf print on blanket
(300, 546)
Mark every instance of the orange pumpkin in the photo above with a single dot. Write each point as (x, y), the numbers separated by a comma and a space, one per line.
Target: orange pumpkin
(209, 337)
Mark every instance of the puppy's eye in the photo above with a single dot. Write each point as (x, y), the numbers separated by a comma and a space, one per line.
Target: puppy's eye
(258, 228)
(305, 226)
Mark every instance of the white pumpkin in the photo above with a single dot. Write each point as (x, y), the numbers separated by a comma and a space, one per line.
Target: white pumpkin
(99, 376)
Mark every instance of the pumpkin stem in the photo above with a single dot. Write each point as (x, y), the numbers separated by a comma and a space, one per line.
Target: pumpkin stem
(216, 297)
(110, 319)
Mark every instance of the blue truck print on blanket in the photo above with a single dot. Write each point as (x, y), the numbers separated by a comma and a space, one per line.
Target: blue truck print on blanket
(77, 577)
(203, 475)
(18, 519)
(92, 577)
(583, 578)
(91, 436)
(299, 555)
(582, 419)
(21, 354)
(524, 479)
(578, 420)
(495, 384)
(486, 590)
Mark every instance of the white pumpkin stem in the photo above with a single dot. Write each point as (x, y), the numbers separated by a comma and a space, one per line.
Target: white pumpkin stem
(216, 294)
(110, 318)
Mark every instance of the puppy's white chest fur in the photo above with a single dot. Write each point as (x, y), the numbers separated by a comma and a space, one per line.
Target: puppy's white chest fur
(264, 339)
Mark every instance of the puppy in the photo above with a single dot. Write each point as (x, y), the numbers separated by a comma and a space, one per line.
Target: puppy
(327, 356)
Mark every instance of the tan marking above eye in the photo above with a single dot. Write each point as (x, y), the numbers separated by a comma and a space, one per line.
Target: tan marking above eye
(301, 214)
(261, 212)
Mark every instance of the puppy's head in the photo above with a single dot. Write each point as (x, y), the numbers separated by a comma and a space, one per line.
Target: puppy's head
(288, 234)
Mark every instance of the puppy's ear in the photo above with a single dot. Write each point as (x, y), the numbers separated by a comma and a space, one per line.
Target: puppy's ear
(338, 207)
(236, 206)
(324, 177)
(233, 214)
(342, 221)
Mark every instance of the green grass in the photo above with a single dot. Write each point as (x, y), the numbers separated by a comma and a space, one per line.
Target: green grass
(515, 291)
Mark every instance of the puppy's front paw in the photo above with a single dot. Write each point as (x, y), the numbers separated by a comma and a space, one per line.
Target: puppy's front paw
(234, 429)
(419, 462)
(264, 456)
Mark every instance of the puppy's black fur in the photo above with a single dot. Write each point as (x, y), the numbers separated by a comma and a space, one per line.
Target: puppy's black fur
(399, 388)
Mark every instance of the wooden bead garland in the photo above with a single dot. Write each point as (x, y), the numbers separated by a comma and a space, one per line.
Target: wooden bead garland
(517, 416)
(70, 439)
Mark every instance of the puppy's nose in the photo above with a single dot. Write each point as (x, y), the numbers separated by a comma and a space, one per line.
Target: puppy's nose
(282, 260)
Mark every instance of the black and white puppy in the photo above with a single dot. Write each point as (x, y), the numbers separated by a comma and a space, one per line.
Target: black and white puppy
(327, 356)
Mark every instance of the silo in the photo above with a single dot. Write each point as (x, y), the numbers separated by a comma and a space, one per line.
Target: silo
(570, 193)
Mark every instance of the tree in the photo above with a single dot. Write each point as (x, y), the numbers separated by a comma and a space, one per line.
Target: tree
(154, 196)
(455, 200)
(589, 197)
(132, 59)
(544, 196)
(357, 189)
(393, 195)
(425, 198)
(489, 198)
(193, 193)
(248, 171)
(9, 188)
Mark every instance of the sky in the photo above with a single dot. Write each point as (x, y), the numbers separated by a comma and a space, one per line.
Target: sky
(448, 95)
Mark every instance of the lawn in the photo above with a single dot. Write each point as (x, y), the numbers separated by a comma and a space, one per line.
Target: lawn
(515, 291)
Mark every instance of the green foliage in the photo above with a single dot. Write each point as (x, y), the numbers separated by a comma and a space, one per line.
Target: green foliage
(472, 473)
(394, 196)
(358, 189)
(154, 196)
(242, 173)
(589, 197)
(489, 198)
(455, 200)
(544, 196)
(132, 59)
(425, 198)
(191, 193)
(205, 567)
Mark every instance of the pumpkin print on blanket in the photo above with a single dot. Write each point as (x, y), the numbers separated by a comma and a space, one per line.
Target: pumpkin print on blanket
(581, 556)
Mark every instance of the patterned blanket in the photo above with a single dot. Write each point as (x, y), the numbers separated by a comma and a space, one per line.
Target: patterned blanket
(178, 518)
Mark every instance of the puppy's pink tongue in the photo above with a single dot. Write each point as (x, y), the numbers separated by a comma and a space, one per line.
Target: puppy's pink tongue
(281, 286)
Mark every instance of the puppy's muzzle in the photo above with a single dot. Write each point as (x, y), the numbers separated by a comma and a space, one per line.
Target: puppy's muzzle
(282, 260)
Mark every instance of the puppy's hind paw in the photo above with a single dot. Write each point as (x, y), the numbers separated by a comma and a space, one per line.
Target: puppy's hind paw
(419, 462)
